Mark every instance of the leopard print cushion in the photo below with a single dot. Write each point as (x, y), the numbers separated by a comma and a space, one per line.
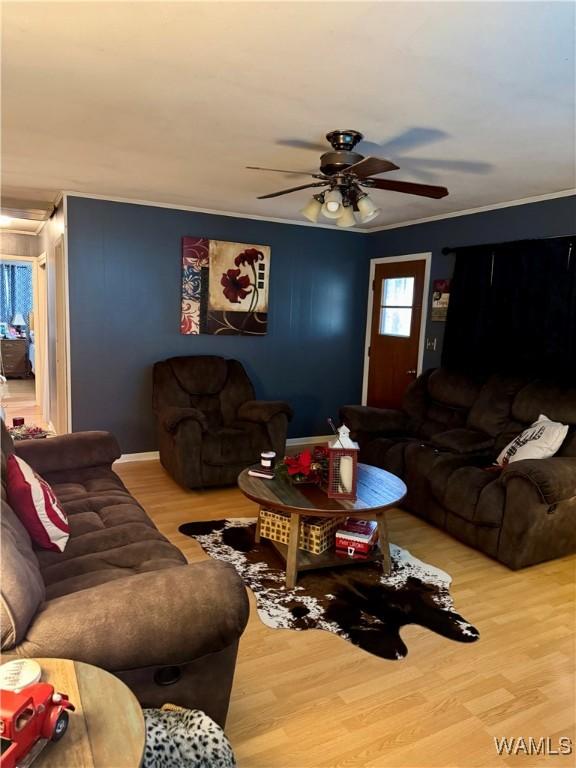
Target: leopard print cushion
(185, 739)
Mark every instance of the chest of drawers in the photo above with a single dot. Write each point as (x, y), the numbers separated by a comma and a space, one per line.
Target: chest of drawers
(14, 353)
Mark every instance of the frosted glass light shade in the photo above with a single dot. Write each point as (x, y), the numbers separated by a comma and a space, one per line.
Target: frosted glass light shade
(332, 207)
(367, 209)
(347, 217)
(312, 210)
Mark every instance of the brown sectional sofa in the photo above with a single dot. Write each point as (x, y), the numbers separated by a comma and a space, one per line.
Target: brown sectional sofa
(120, 596)
(443, 442)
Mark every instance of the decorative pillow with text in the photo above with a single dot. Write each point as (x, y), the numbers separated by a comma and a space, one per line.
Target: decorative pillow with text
(36, 506)
(540, 441)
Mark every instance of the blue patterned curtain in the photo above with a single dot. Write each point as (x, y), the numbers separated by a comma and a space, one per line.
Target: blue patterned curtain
(15, 291)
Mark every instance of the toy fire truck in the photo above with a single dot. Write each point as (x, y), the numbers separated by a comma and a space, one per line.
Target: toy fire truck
(29, 719)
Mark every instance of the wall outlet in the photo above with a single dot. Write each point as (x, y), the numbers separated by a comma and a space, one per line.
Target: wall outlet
(431, 343)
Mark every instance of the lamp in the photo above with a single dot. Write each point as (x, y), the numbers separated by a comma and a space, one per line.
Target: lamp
(346, 218)
(367, 209)
(18, 321)
(312, 209)
(332, 208)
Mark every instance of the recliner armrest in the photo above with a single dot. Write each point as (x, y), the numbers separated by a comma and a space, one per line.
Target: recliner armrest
(171, 416)
(261, 411)
(553, 478)
(364, 418)
(74, 451)
(170, 616)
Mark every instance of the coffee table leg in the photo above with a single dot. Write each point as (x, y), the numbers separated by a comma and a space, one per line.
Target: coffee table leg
(257, 532)
(384, 543)
(292, 556)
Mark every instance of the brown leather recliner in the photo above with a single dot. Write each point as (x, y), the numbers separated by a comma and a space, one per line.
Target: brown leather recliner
(210, 427)
(443, 443)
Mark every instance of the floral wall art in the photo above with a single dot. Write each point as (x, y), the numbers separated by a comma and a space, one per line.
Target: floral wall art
(224, 287)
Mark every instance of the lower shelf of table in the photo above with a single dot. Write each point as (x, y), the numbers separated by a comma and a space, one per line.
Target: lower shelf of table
(306, 561)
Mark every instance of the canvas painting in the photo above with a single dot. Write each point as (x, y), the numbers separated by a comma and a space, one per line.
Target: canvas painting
(224, 287)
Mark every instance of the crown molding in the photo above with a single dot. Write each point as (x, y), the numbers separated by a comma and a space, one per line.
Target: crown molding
(480, 209)
(331, 227)
(213, 212)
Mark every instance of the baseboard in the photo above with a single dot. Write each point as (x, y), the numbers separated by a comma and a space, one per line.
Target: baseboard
(147, 456)
(154, 455)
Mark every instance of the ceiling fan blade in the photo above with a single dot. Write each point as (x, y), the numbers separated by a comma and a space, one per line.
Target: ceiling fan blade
(302, 144)
(463, 166)
(369, 166)
(409, 139)
(293, 189)
(280, 170)
(424, 190)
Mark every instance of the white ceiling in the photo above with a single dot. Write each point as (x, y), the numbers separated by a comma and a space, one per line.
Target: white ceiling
(169, 102)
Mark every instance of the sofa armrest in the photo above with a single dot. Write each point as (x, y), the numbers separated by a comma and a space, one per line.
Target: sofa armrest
(74, 451)
(262, 411)
(172, 416)
(364, 418)
(554, 478)
(162, 617)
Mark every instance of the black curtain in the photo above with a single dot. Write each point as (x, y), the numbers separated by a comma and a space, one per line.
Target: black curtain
(513, 309)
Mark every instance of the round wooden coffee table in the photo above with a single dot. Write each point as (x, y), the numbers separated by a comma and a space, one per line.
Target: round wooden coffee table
(378, 490)
(107, 727)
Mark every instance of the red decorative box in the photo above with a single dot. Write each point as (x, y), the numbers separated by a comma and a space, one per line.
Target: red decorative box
(356, 538)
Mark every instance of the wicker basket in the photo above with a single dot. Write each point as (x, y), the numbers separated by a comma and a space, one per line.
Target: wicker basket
(316, 533)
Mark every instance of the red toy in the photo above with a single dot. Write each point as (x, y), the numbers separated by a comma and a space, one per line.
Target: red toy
(28, 720)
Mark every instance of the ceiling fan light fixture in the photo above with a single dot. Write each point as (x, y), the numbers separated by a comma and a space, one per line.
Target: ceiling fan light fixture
(346, 218)
(366, 209)
(332, 207)
(312, 209)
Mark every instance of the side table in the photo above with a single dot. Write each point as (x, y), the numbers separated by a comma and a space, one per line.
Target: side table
(107, 729)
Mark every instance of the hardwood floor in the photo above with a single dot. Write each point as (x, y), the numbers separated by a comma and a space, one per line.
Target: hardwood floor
(312, 700)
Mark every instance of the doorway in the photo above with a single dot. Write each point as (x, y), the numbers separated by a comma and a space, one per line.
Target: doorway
(22, 338)
(395, 327)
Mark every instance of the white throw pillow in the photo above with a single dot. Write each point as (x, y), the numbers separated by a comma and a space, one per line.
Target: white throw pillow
(539, 441)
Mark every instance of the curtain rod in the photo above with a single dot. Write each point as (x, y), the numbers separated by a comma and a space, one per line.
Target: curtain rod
(446, 250)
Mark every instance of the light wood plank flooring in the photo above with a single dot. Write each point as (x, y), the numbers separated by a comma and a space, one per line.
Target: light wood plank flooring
(312, 700)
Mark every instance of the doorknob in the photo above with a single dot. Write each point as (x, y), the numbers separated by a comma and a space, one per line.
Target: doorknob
(412, 371)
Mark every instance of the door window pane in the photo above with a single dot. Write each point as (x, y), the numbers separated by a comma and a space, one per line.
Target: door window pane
(395, 321)
(397, 291)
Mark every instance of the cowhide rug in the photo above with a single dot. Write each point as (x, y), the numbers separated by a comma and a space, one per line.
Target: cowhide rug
(357, 603)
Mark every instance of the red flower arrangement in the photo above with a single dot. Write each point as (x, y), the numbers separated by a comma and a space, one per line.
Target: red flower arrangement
(307, 466)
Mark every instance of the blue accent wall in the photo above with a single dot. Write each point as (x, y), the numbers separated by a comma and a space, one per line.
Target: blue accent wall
(548, 218)
(124, 284)
(124, 265)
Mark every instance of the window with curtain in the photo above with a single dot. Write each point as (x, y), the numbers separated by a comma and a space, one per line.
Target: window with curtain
(513, 309)
(15, 291)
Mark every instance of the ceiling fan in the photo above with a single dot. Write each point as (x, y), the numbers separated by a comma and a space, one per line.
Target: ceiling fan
(346, 173)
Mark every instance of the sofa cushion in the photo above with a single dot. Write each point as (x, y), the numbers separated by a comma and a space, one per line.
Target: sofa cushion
(111, 536)
(558, 403)
(490, 412)
(386, 453)
(22, 585)
(36, 506)
(463, 441)
(455, 389)
(540, 441)
(475, 494)
(206, 377)
(234, 444)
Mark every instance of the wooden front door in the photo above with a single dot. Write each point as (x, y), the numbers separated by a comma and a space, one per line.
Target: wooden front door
(398, 291)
